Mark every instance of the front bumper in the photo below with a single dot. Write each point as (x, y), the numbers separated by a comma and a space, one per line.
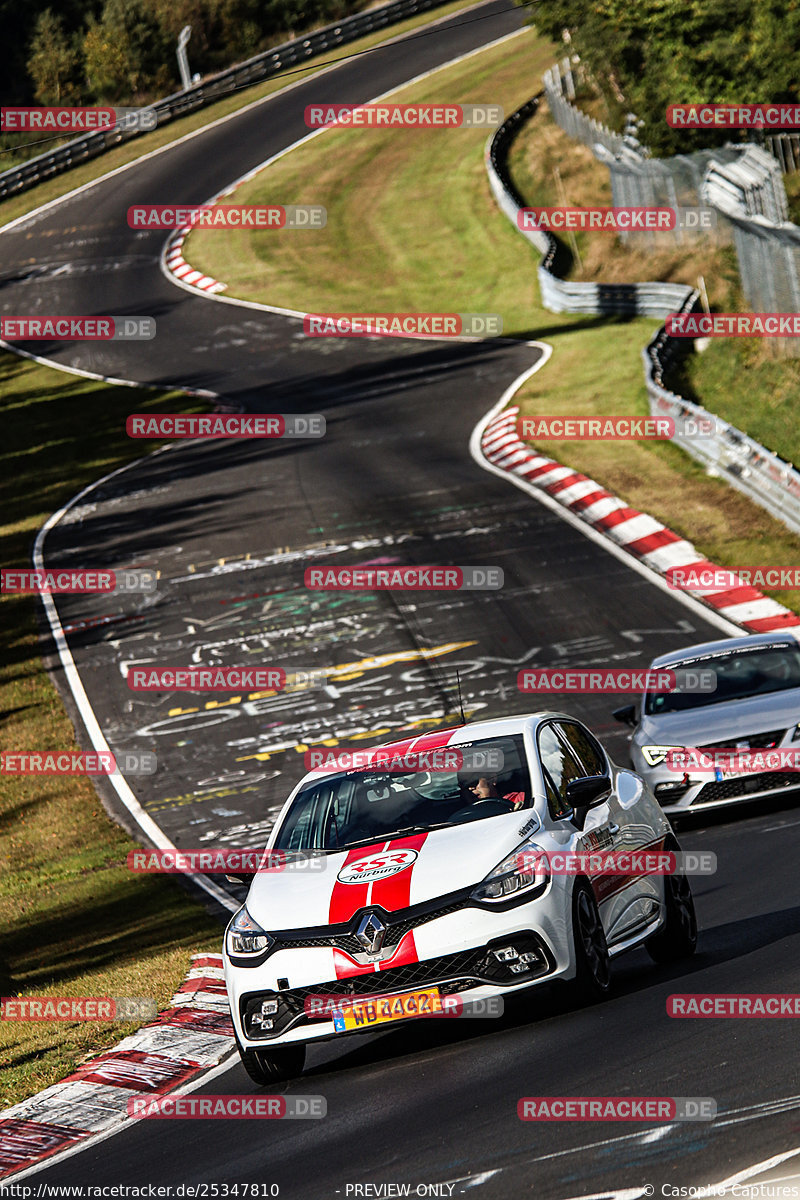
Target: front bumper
(454, 953)
(704, 791)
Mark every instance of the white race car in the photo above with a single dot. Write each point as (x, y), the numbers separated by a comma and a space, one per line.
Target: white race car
(416, 886)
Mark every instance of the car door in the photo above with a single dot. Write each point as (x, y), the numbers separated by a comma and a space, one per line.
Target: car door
(629, 900)
(560, 764)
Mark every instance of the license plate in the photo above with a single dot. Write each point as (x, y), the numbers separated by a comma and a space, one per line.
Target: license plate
(363, 1014)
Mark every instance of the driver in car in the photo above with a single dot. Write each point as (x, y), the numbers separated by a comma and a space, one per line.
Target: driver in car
(485, 788)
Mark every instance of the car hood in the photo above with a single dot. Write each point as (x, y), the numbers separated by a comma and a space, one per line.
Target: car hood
(392, 875)
(732, 718)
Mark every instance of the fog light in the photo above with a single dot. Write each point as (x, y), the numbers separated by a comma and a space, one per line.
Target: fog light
(673, 787)
(529, 957)
(262, 1022)
(507, 954)
(269, 1006)
(518, 968)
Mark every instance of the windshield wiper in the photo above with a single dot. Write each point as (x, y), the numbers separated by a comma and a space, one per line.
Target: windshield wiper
(396, 833)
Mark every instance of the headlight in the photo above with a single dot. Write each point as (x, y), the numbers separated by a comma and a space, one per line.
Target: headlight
(244, 937)
(653, 755)
(526, 870)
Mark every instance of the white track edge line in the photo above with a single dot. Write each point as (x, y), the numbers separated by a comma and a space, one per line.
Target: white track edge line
(121, 786)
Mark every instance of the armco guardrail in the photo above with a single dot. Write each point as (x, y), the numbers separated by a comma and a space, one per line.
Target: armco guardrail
(562, 295)
(743, 462)
(254, 70)
(752, 198)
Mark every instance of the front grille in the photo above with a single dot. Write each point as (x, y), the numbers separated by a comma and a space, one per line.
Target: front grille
(342, 937)
(745, 785)
(451, 972)
(755, 741)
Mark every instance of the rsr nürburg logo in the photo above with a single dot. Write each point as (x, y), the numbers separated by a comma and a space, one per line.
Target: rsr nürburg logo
(376, 866)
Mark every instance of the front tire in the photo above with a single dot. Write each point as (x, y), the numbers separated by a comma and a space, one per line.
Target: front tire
(678, 937)
(266, 1067)
(592, 980)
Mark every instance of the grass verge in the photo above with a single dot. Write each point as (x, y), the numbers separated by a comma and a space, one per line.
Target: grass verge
(412, 226)
(74, 920)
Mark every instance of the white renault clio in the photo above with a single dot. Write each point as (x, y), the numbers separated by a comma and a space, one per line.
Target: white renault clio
(407, 891)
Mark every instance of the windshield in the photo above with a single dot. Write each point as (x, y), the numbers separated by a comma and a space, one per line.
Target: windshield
(740, 674)
(359, 807)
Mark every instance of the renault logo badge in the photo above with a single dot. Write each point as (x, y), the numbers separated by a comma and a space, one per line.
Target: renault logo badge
(371, 931)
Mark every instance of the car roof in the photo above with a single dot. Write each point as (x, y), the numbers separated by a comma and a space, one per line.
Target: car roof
(454, 735)
(723, 646)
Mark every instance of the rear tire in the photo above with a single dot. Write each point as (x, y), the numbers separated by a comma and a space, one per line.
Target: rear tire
(266, 1067)
(677, 938)
(592, 980)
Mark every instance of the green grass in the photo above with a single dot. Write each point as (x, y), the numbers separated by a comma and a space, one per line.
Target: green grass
(412, 225)
(387, 242)
(74, 920)
(741, 381)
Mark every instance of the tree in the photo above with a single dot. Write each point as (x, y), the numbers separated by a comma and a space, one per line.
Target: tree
(647, 54)
(126, 54)
(53, 62)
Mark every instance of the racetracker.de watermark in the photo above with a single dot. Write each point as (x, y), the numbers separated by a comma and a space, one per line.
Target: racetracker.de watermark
(720, 579)
(69, 762)
(743, 325)
(321, 1004)
(732, 762)
(602, 429)
(235, 425)
(205, 679)
(603, 218)
(418, 325)
(593, 680)
(734, 116)
(227, 216)
(404, 116)
(78, 1008)
(77, 582)
(222, 861)
(617, 1108)
(227, 1108)
(620, 863)
(403, 579)
(733, 1004)
(617, 428)
(52, 119)
(59, 328)
(443, 758)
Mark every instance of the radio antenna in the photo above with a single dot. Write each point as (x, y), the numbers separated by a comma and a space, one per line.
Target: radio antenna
(460, 700)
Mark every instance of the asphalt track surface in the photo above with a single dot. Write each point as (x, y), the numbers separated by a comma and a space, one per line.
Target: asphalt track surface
(232, 528)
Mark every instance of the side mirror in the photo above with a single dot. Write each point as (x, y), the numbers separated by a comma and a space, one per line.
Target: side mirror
(583, 794)
(626, 715)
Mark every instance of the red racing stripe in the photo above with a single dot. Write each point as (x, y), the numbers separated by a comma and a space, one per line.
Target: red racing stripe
(406, 952)
(394, 893)
(346, 898)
